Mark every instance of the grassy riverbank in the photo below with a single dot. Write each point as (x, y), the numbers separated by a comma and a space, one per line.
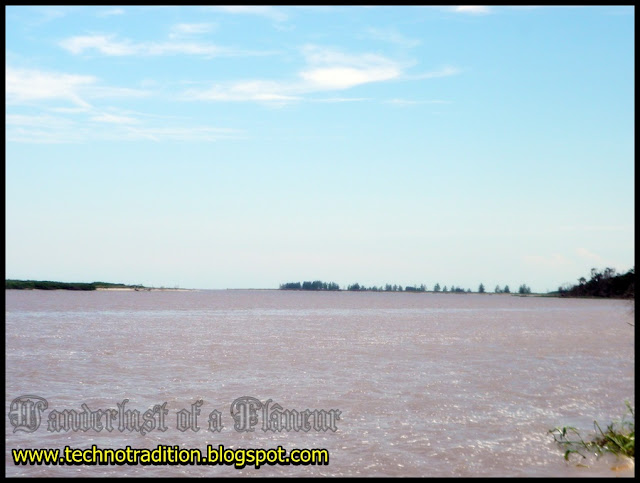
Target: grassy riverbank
(618, 439)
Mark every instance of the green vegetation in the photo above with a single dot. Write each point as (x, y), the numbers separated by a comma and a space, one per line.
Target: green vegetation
(455, 289)
(619, 438)
(605, 283)
(421, 288)
(356, 287)
(317, 285)
(523, 289)
(48, 285)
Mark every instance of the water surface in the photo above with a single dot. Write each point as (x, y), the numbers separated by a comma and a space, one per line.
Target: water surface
(428, 384)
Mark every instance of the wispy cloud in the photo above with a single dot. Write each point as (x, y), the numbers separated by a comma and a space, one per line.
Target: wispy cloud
(445, 71)
(330, 78)
(79, 119)
(42, 129)
(325, 70)
(111, 12)
(101, 91)
(107, 45)
(42, 120)
(113, 119)
(329, 69)
(261, 10)
(190, 29)
(48, 129)
(24, 86)
(110, 46)
(341, 99)
(393, 37)
(102, 43)
(255, 90)
(472, 9)
(40, 15)
(411, 102)
(184, 134)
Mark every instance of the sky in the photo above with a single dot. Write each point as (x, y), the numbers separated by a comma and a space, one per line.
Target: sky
(245, 147)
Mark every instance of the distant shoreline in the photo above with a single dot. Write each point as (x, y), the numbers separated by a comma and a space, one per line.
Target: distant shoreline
(82, 286)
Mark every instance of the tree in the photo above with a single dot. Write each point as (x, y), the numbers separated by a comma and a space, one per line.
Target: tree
(444, 289)
(506, 289)
(481, 289)
(523, 289)
(497, 289)
(606, 283)
(436, 288)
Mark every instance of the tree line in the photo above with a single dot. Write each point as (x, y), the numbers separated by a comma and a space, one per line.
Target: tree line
(316, 285)
(603, 283)
(356, 287)
(49, 285)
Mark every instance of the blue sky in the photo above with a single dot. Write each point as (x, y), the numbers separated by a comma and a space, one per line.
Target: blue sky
(244, 147)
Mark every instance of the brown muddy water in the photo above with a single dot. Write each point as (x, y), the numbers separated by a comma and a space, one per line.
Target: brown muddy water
(426, 384)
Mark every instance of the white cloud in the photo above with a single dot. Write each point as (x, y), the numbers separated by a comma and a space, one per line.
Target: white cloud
(472, 9)
(445, 71)
(42, 15)
(42, 120)
(321, 56)
(101, 43)
(393, 37)
(26, 85)
(111, 118)
(69, 110)
(329, 78)
(341, 99)
(111, 12)
(108, 91)
(108, 45)
(261, 10)
(330, 69)
(247, 91)
(188, 29)
(42, 129)
(195, 133)
(326, 70)
(47, 129)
